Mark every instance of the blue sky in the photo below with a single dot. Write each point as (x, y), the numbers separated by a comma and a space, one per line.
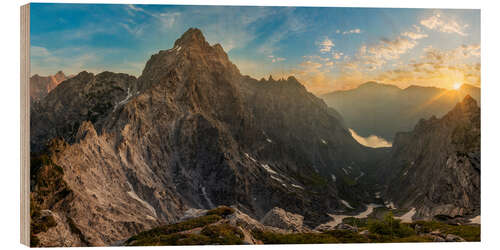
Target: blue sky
(325, 48)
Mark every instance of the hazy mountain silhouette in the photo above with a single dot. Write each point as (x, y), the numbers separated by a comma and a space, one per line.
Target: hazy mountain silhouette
(384, 109)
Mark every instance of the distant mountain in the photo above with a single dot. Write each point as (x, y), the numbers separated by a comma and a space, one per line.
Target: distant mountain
(114, 155)
(384, 109)
(40, 86)
(435, 168)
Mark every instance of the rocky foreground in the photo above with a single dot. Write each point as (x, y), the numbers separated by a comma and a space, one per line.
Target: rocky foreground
(228, 225)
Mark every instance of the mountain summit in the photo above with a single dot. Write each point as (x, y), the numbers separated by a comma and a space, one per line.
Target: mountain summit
(40, 86)
(193, 36)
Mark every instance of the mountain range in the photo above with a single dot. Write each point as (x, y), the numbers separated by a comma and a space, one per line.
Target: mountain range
(383, 109)
(114, 155)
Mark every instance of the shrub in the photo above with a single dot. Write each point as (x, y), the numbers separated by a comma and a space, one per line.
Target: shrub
(467, 232)
(153, 234)
(222, 211)
(294, 238)
(390, 227)
(224, 234)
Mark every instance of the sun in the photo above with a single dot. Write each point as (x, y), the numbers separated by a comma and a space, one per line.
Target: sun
(457, 86)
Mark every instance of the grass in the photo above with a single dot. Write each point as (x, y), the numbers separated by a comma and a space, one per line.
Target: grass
(294, 238)
(467, 232)
(210, 234)
(222, 211)
(212, 230)
(152, 237)
(218, 234)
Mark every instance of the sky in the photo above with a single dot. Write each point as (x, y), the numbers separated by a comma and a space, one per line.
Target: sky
(327, 48)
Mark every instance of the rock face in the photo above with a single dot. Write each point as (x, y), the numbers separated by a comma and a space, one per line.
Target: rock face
(386, 109)
(191, 132)
(280, 218)
(40, 86)
(436, 167)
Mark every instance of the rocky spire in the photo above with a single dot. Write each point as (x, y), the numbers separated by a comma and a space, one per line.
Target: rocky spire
(192, 37)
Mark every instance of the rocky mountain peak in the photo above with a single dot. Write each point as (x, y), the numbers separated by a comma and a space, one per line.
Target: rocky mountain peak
(468, 103)
(190, 53)
(60, 74)
(40, 86)
(192, 37)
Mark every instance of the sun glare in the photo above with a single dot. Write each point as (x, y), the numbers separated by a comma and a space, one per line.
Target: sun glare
(457, 85)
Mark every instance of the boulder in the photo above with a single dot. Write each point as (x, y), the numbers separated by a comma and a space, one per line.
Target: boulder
(343, 226)
(454, 238)
(278, 217)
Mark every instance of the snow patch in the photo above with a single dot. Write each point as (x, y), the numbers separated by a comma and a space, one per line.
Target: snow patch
(250, 157)
(368, 211)
(390, 205)
(297, 186)
(134, 196)
(124, 100)
(345, 171)
(179, 48)
(346, 204)
(361, 175)
(323, 141)
(334, 179)
(269, 140)
(337, 218)
(476, 220)
(407, 218)
(377, 195)
(268, 169)
(277, 179)
(205, 195)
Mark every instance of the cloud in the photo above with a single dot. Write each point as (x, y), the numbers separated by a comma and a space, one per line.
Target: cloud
(413, 35)
(135, 8)
(438, 68)
(337, 55)
(278, 59)
(436, 22)
(326, 45)
(353, 31)
(36, 51)
(371, 141)
(168, 19)
(451, 56)
(377, 55)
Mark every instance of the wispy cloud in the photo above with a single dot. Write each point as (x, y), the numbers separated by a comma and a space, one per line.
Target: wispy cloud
(276, 59)
(325, 45)
(353, 31)
(413, 35)
(437, 22)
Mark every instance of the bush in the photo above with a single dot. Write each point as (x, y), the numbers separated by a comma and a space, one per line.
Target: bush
(294, 238)
(390, 227)
(152, 236)
(223, 234)
(467, 232)
(353, 221)
(222, 211)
